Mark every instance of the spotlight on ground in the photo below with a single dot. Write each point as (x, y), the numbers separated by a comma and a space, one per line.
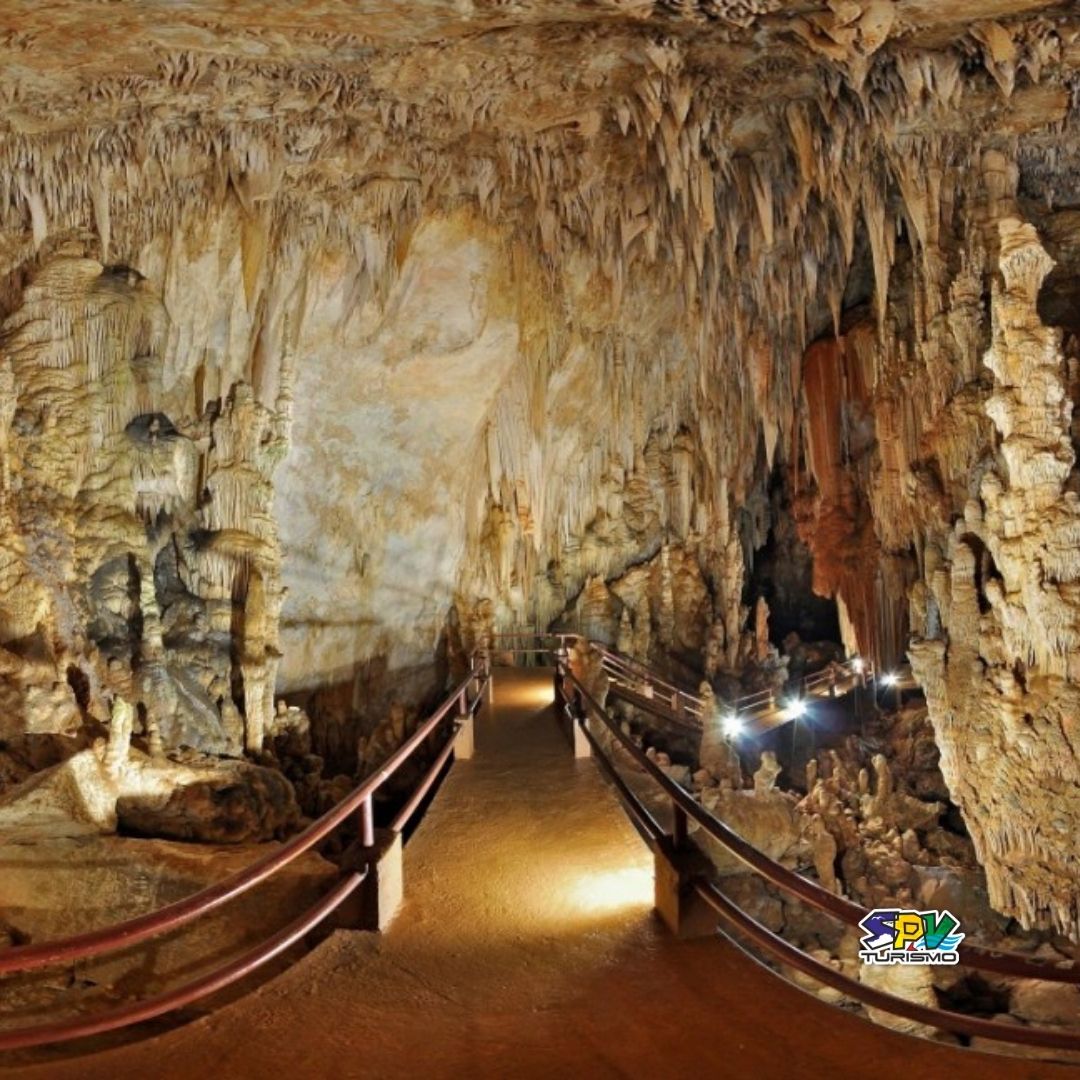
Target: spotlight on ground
(857, 665)
(732, 725)
(796, 709)
(544, 694)
(608, 892)
(890, 678)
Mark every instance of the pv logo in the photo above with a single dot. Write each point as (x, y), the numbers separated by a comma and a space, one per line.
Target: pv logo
(893, 936)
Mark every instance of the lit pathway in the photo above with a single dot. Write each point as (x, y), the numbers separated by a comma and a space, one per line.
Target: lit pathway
(526, 948)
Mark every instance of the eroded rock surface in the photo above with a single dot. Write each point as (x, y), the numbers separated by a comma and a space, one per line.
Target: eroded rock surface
(336, 339)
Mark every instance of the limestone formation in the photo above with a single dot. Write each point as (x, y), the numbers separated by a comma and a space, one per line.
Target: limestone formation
(335, 340)
(1001, 689)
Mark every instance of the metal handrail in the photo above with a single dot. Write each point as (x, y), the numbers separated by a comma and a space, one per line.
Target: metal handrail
(418, 796)
(686, 703)
(617, 659)
(946, 1019)
(640, 816)
(658, 708)
(810, 892)
(171, 916)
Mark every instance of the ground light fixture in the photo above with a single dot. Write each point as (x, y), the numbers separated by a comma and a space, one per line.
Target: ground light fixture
(890, 678)
(796, 709)
(732, 725)
(858, 665)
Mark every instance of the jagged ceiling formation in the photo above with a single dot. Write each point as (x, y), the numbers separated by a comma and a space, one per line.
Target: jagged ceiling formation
(541, 279)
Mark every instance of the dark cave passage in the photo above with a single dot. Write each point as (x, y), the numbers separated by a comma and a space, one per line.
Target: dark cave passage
(783, 573)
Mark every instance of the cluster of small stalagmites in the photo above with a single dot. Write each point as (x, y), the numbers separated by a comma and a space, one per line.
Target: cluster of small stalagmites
(881, 832)
(1002, 585)
(761, 812)
(867, 825)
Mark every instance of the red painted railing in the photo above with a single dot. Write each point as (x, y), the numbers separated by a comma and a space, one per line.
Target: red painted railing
(579, 706)
(684, 706)
(138, 1011)
(465, 698)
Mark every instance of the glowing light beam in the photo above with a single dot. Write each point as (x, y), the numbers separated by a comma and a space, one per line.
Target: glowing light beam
(796, 709)
(732, 725)
(613, 890)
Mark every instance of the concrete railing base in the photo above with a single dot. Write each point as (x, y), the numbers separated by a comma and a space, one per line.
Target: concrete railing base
(465, 740)
(582, 749)
(377, 900)
(675, 899)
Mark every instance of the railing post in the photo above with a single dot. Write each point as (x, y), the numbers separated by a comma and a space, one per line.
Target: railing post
(675, 899)
(367, 823)
(678, 826)
(582, 749)
(382, 890)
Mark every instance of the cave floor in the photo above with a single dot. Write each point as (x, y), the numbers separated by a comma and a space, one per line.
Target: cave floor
(526, 947)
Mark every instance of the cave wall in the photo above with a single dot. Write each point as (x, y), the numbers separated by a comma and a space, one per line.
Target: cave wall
(351, 340)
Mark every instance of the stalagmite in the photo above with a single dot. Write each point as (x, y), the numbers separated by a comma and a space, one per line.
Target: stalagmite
(121, 721)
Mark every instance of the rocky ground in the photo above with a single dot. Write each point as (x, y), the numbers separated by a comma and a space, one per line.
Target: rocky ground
(53, 886)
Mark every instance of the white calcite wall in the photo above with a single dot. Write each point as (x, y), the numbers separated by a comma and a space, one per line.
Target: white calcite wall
(391, 407)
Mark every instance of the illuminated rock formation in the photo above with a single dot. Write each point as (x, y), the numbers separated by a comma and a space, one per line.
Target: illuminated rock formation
(337, 340)
(1001, 685)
